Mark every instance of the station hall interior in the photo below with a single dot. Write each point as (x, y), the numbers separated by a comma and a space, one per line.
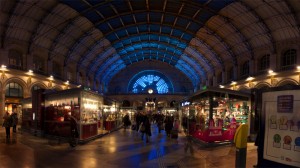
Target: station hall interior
(211, 65)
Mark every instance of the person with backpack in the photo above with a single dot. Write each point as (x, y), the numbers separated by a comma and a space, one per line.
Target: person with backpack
(7, 123)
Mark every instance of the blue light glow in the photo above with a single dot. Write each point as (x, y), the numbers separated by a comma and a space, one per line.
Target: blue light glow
(145, 80)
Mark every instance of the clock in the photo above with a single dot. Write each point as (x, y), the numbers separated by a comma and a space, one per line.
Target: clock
(150, 91)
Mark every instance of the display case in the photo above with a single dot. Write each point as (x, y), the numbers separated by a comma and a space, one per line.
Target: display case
(83, 105)
(111, 117)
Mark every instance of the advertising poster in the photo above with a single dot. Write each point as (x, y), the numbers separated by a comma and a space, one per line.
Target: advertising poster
(282, 127)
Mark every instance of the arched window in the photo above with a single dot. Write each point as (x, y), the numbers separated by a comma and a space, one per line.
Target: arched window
(15, 59)
(13, 90)
(245, 69)
(146, 80)
(264, 62)
(289, 59)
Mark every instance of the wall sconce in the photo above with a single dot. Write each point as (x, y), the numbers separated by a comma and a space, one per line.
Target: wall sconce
(250, 79)
(233, 83)
(50, 81)
(272, 74)
(67, 83)
(30, 73)
(3, 69)
(298, 70)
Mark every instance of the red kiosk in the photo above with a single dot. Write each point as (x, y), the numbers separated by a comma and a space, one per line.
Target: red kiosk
(215, 113)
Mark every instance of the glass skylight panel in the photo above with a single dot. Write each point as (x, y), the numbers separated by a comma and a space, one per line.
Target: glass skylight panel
(150, 80)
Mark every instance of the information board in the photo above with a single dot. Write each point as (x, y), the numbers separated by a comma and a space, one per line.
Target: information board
(282, 127)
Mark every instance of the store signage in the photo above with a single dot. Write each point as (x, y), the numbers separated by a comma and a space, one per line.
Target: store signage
(285, 103)
(282, 127)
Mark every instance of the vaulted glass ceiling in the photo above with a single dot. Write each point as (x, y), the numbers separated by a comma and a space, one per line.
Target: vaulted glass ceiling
(160, 30)
(102, 38)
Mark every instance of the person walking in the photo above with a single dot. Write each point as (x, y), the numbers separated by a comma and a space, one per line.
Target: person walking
(7, 124)
(147, 130)
(126, 121)
(160, 122)
(168, 125)
(14, 117)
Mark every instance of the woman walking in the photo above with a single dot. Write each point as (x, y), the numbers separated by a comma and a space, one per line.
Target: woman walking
(147, 128)
(7, 124)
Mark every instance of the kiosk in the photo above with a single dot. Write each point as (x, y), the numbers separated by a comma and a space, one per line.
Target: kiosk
(215, 113)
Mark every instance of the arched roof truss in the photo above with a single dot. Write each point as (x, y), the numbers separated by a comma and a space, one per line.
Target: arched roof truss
(104, 37)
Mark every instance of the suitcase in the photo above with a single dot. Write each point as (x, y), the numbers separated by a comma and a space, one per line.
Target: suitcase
(174, 134)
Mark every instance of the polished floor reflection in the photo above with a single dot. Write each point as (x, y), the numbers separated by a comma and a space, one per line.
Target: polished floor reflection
(119, 149)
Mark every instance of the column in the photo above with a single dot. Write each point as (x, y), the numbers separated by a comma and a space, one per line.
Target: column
(215, 82)
(273, 61)
(223, 76)
(29, 61)
(235, 72)
(251, 67)
(2, 105)
(49, 67)
(3, 57)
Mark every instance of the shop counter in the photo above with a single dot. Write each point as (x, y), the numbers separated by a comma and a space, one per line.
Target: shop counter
(110, 125)
(88, 130)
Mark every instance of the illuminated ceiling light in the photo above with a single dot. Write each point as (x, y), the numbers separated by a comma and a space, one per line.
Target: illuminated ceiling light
(221, 86)
(30, 71)
(79, 86)
(67, 82)
(298, 68)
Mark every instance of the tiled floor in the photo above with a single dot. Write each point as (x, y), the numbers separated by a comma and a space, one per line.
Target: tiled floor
(119, 149)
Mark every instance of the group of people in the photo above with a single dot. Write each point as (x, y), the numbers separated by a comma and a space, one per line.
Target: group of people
(10, 120)
(142, 123)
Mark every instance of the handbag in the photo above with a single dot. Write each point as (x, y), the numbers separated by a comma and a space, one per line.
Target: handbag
(142, 128)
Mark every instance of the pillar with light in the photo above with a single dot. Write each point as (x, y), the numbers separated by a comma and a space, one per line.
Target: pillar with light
(272, 74)
(3, 69)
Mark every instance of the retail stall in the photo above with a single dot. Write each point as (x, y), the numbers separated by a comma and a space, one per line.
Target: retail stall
(131, 111)
(112, 118)
(83, 105)
(214, 114)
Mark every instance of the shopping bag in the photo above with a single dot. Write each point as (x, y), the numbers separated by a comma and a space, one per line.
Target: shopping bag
(142, 128)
